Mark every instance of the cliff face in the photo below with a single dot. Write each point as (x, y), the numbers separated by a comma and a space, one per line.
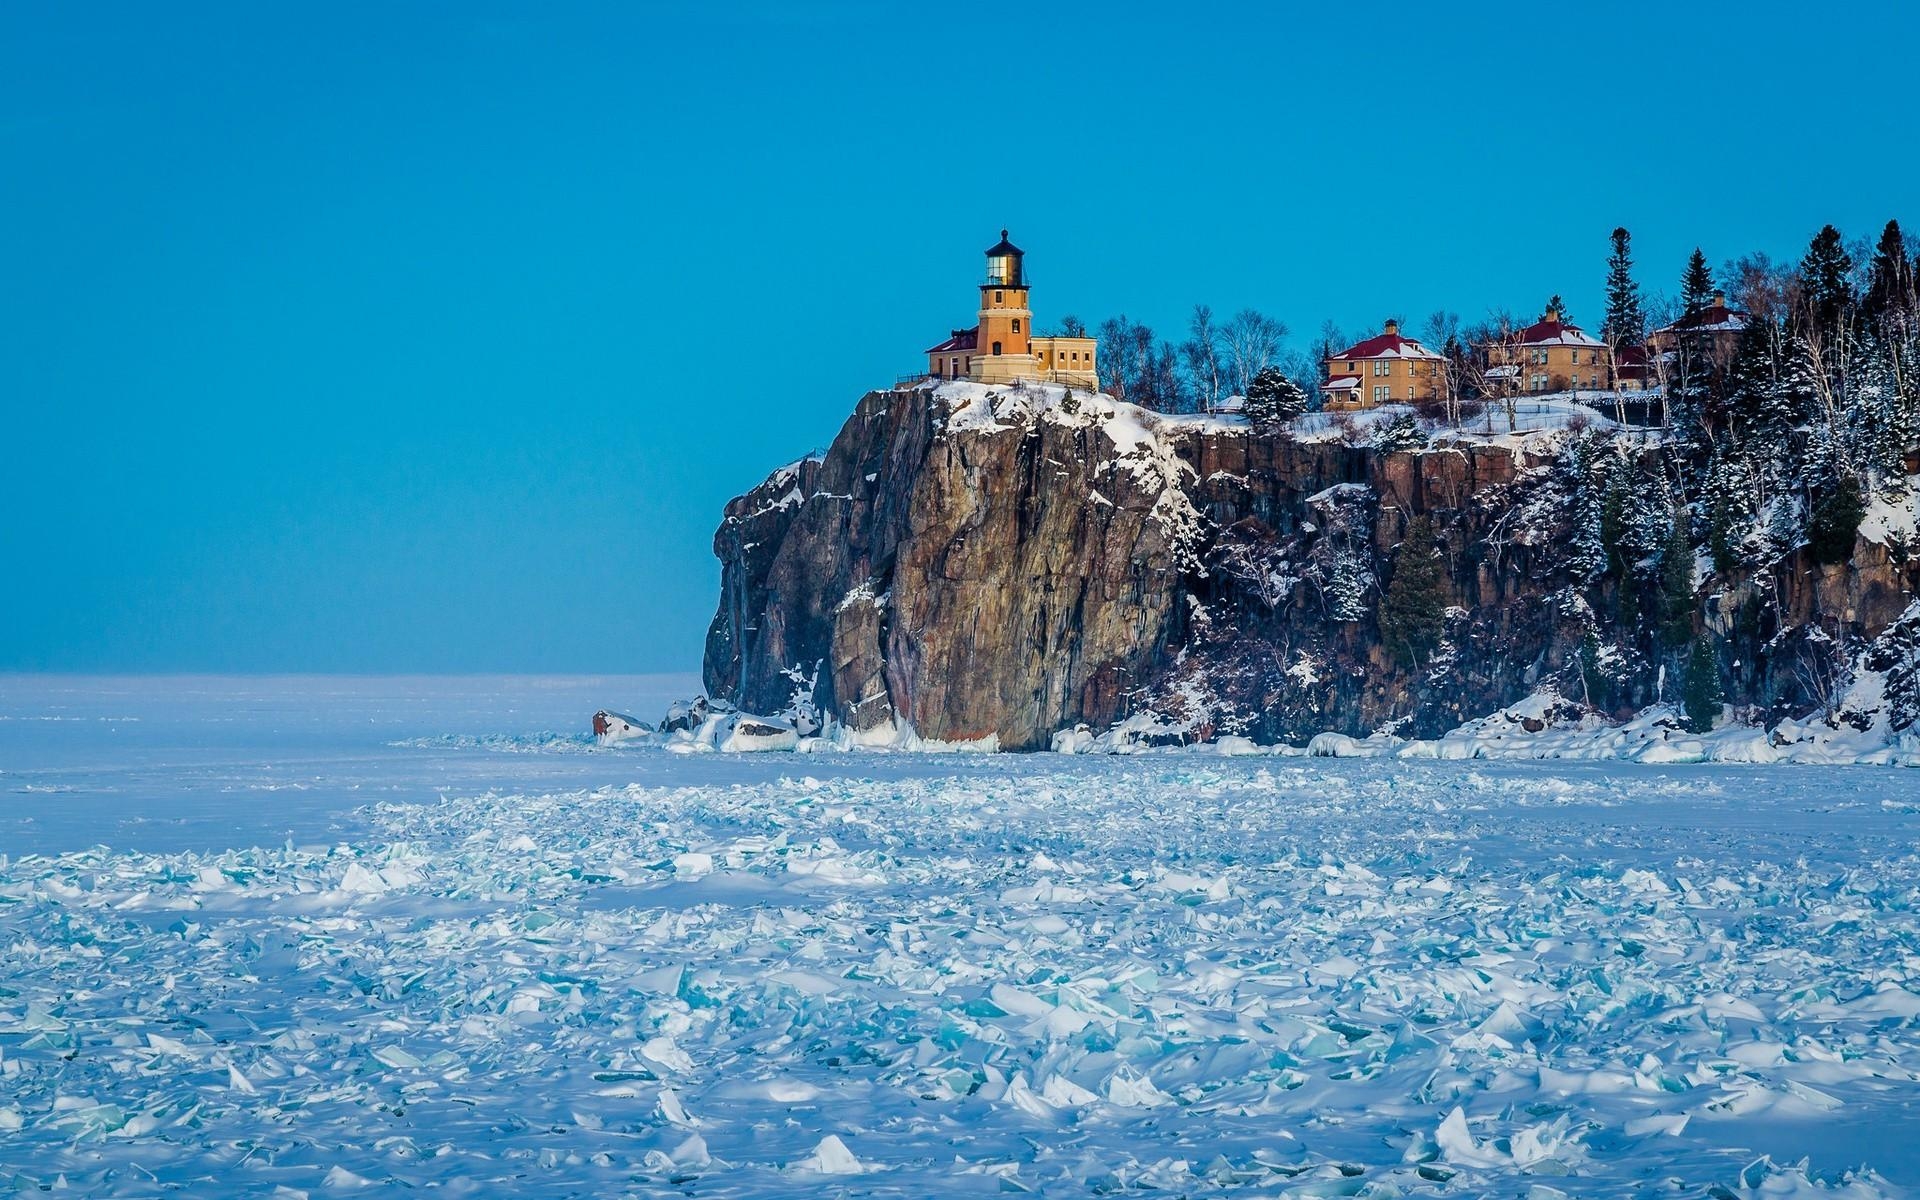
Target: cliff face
(1004, 563)
(953, 573)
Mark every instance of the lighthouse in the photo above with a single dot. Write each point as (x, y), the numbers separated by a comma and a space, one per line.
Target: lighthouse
(1001, 346)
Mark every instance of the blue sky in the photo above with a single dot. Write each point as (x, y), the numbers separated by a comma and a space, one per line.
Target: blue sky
(433, 337)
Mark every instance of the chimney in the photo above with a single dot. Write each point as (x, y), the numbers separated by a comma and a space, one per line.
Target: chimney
(1719, 299)
(1393, 327)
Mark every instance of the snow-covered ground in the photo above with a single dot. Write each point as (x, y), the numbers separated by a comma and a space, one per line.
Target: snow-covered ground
(625, 972)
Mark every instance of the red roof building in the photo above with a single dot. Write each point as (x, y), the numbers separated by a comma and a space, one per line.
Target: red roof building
(1388, 367)
(1550, 355)
(1711, 331)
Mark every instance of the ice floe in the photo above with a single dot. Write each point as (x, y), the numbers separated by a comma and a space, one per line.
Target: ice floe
(1061, 975)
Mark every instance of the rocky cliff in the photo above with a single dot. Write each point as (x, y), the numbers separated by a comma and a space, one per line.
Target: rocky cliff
(969, 563)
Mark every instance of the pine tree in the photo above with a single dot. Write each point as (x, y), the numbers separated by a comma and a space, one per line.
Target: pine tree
(1700, 693)
(1676, 581)
(1273, 399)
(1785, 525)
(1728, 501)
(1349, 579)
(1753, 390)
(1883, 423)
(1826, 290)
(1399, 432)
(1889, 302)
(1586, 539)
(1696, 285)
(1413, 612)
(1644, 527)
(1836, 521)
(1626, 323)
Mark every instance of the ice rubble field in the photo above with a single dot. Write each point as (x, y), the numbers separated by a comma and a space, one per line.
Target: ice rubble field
(1064, 975)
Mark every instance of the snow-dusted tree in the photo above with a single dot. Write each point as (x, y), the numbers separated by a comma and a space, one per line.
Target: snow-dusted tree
(1826, 305)
(1696, 284)
(1635, 523)
(1413, 609)
(1251, 341)
(1252, 562)
(1786, 525)
(1728, 501)
(1201, 351)
(1273, 399)
(1754, 413)
(1349, 577)
(1398, 432)
(1625, 323)
(1587, 488)
(1881, 417)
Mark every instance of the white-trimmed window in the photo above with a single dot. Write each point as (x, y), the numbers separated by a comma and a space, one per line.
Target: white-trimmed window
(1382, 393)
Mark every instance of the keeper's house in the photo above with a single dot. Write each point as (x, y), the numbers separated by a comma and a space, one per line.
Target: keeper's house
(1551, 355)
(1385, 368)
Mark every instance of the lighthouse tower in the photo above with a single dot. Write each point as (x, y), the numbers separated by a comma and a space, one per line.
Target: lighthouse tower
(1003, 347)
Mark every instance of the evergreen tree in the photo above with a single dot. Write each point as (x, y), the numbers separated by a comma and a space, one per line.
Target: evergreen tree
(1273, 399)
(1413, 612)
(1676, 582)
(1586, 539)
(1696, 284)
(1700, 692)
(1399, 432)
(1784, 525)
(1349, 578)
(1626, 323)
(1882, 419)
(1645, 522)
(1835, 522)
(1649, 525)
(1728, 501)
(1758, 420)
(1826, 291)
(1889, 302)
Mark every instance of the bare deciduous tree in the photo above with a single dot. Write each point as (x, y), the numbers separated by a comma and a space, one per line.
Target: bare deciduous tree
(1201, 352)
(1252, 342)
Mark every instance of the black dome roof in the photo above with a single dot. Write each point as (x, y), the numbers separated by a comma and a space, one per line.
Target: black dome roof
(1005, 247)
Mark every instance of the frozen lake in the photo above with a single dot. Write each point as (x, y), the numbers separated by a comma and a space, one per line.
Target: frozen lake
(384, 934)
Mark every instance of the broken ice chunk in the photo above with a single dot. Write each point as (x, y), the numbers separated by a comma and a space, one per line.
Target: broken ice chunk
(831, 1157)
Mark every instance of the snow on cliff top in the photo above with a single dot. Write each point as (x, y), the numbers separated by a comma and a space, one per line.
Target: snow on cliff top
(1534, 416)
(1134, 431)
(978, 406)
